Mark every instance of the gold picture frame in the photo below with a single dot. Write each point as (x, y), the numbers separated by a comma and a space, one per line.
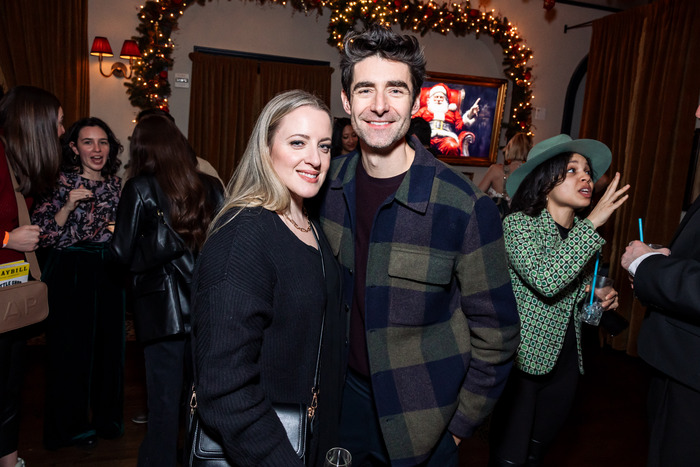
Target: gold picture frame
(466, 130)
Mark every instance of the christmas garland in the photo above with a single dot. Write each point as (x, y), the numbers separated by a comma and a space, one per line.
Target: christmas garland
(149, 86)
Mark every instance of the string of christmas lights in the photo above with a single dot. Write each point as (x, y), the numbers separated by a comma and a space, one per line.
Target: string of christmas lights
(149, 86)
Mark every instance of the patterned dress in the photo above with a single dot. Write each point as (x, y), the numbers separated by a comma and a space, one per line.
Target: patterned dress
(89, 221)
(85, 328)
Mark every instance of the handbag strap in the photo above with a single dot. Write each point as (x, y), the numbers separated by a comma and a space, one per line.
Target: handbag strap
(23, 215)
(155, 188)
(314, 389)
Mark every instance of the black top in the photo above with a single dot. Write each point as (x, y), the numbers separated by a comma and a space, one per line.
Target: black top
(568, 355)
(259, 294)
(371, 193)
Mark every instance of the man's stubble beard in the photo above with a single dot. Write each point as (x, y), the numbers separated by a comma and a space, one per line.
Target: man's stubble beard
(381, 143)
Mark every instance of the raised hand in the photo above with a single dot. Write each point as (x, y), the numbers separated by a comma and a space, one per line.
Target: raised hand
(76, 196)
(610, 201)
(474, 109)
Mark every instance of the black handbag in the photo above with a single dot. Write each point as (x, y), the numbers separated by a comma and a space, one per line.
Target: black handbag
(206, 450)
(162, 267)
(159, 244)
(204, 447)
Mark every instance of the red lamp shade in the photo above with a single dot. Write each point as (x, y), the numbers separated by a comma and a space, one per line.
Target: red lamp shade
(100, 46)
(130, 50)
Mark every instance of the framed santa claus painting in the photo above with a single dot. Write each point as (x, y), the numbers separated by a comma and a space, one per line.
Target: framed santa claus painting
(465, 114)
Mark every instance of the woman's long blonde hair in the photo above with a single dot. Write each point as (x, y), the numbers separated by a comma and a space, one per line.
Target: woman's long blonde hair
(255, 182)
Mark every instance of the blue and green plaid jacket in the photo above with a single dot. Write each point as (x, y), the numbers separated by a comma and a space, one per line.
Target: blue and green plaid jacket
(441, 318)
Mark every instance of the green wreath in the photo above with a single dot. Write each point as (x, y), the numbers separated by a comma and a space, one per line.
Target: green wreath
(149, 86)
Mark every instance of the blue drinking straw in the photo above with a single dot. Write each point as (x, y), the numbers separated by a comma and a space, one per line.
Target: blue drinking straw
(595, 274)
(641, 232)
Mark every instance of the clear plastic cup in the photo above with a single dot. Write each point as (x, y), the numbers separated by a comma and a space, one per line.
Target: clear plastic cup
(592, 310)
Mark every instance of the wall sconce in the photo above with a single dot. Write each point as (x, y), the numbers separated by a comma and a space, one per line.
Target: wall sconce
(130, 50)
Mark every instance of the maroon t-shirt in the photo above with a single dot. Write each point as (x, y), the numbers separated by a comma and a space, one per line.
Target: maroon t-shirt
(371, 193)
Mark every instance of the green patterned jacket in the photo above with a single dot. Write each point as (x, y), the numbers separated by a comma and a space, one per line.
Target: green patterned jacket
(549, 277)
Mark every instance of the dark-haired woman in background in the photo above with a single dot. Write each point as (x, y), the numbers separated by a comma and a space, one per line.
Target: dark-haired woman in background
(85, 328)
(344, 139)
(551, 254)
(164, 177)
(31, 121)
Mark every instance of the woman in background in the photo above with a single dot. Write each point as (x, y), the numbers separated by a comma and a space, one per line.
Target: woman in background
(494, 182)
(164, 186)
(31, 121)
(551, 254)
(85, 328)
(344, 139)
(263, 282)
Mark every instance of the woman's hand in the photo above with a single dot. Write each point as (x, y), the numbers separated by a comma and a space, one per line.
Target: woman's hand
(609, 202)
(24, 238)
(610, 301)
(76, 196)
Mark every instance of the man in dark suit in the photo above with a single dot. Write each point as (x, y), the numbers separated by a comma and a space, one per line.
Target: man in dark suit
(668, 282)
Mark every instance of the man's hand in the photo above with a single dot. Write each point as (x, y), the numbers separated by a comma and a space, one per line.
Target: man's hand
(473, 111)
(635, 249)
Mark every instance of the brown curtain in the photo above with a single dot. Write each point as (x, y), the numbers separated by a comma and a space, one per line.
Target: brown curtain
(227, 96)
(221, 108)
(44, 43)
(641, 92)
(279, 77)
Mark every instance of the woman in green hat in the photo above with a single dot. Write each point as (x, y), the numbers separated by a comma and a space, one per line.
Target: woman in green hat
(551, 253)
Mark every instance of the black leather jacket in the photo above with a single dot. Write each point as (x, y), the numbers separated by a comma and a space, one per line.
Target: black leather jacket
(162, 289)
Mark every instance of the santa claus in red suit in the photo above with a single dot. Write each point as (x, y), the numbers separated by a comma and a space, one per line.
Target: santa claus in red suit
(448, 132)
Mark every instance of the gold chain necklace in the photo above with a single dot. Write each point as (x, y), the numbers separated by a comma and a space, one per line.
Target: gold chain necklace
(303, 211)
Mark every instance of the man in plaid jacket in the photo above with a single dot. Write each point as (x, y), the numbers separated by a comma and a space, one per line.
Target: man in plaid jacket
(433, 320)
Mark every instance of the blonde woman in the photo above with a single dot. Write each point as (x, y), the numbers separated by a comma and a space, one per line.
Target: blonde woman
(494, 182)
(264, 279)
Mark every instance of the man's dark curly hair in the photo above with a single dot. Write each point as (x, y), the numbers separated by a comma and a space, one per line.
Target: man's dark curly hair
(381, 41)
(531, 197)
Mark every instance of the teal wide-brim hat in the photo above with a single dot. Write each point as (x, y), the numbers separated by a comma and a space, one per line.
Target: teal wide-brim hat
(598, 153)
